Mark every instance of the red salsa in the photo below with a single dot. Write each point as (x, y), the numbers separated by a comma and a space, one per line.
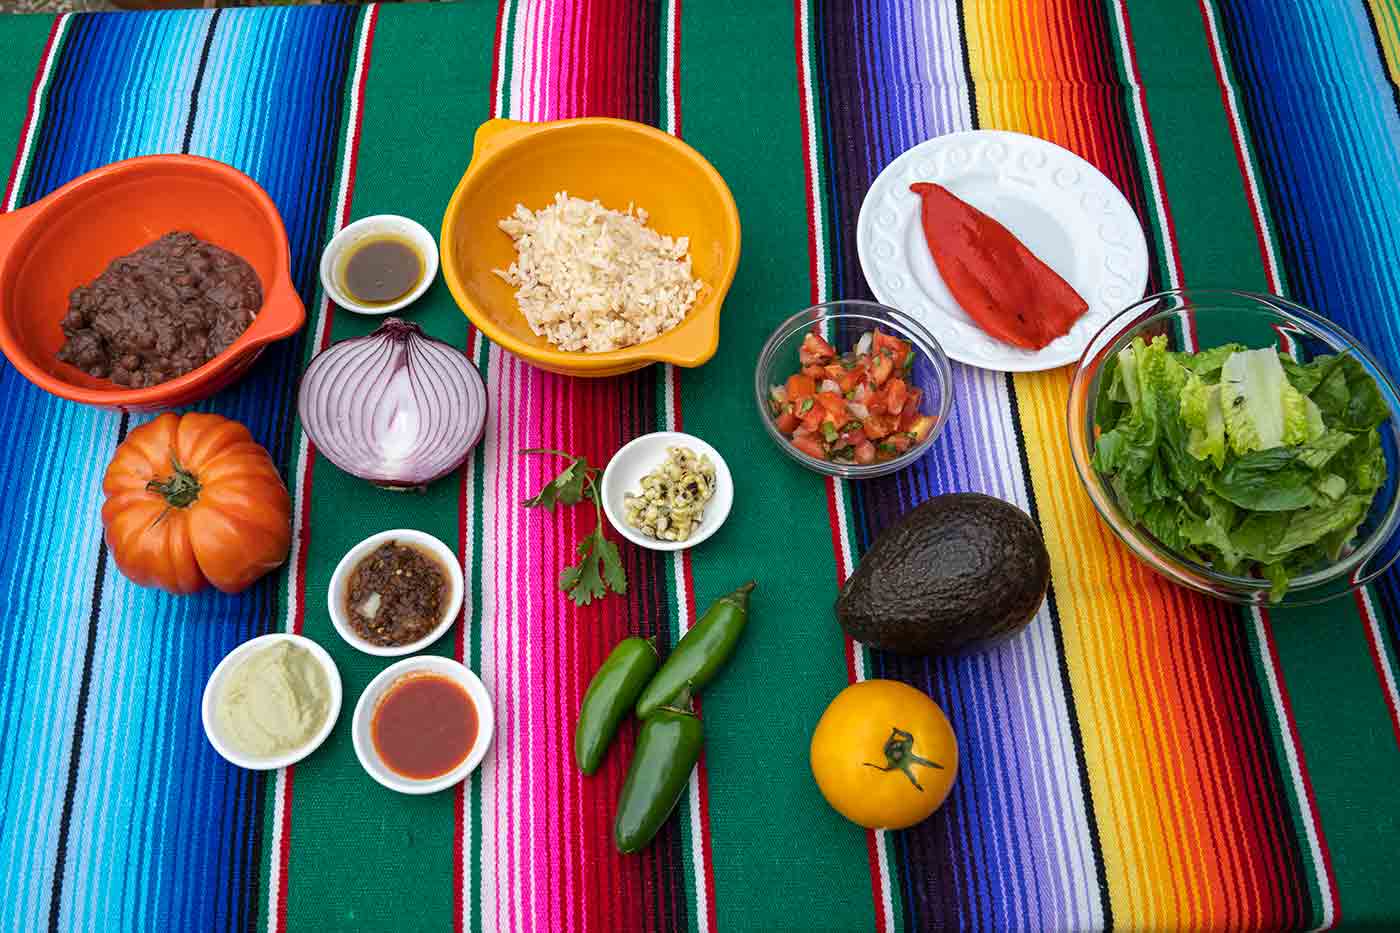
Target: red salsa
(424, 726)
(856, 407)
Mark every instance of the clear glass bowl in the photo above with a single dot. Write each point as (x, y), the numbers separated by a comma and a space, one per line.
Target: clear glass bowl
(842, 323)
(1204, 318)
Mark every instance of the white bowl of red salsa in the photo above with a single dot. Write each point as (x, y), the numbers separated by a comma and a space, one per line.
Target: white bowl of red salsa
(422, 725)
(853, 388)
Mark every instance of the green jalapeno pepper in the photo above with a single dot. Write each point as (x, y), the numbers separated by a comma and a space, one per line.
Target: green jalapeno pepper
(702, 651)
(668, 746)
(611, 693)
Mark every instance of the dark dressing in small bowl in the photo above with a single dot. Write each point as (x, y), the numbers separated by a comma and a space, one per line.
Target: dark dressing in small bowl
(381, 269)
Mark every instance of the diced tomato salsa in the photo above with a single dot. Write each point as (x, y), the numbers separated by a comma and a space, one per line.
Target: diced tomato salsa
(855, 407)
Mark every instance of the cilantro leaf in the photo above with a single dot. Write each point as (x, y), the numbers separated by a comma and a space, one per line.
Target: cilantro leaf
(583, 582)
(600, 564)
(569, 578)
(599, 570)
(613, 572)
(567, 488)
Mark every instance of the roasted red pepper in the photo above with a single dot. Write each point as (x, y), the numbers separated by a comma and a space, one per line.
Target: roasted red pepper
(1006, 290)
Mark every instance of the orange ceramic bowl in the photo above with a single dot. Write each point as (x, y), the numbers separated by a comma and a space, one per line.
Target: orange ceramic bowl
(618, 162)
(68, 238)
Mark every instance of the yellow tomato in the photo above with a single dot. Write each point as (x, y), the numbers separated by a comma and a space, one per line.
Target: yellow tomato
(884, 754)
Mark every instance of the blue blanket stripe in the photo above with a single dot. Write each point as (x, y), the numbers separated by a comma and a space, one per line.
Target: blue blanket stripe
(1313, 68)
(159, 832)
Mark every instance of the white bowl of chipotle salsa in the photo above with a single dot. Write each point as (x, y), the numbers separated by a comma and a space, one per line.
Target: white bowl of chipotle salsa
(423, 725)
(365, 592)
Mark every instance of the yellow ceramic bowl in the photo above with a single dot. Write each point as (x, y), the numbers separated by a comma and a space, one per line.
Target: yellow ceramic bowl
(618, 162)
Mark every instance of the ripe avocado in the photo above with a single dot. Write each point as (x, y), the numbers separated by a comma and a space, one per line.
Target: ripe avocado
(959, 570)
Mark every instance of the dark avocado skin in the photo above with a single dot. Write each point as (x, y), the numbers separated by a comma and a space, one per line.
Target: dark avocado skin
(959, 571)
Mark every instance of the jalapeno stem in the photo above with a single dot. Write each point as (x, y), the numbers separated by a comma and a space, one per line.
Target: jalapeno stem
(899, 754)
(683, 702)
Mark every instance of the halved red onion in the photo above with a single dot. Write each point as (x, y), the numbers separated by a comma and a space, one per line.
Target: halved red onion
(397, 407)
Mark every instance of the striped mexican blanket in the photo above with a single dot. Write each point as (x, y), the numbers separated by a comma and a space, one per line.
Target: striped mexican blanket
(1141, 757)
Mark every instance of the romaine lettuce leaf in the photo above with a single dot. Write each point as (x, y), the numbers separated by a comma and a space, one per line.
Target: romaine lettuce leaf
(1302, 419)
(1318, 453)
(1330, 485)
(1207, 363)
(1273, 480)
(1305, 376)
(1127, 369)
(1134, 496)
(1361, 463)
(1161, 380)
(1278, 576)
(1129, 448)
(1210, 533)
(1309, 526)
(1316, 427)
(1256, 534)
(1203, 417)
(1112, 403)
(1163, 520)
(1347, 395)
(1262, 408)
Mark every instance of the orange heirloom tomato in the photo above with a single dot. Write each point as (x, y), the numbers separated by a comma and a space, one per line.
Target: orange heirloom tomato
(193, 500)
(884, 754)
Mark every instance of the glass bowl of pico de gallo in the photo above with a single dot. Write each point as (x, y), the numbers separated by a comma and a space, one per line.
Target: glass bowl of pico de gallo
(853, 388)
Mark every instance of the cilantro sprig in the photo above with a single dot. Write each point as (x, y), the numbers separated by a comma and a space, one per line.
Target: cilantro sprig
(600, 564)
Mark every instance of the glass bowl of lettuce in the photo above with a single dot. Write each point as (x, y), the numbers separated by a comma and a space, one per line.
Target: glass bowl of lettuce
(1240, 445)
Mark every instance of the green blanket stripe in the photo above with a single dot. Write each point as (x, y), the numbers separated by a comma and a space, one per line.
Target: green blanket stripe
(264, 902)
(677, 607)
(760, 713)
(475, 620)
(19, 69)
(413, 149)
(1219, 245)
(1297, 803)
(1347, 739)
(1340, 713)
(1215, 238)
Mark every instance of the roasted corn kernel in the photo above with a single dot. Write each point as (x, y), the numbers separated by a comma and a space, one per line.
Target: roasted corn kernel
(671, 502)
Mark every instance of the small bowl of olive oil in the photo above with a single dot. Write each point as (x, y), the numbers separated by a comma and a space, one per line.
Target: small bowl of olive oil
(379, 264)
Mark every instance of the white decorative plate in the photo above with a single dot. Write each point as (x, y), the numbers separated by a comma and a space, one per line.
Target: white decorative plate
(1065, 211)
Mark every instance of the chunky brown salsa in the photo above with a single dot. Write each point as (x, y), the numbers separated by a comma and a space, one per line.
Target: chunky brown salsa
(157, 313)
(424, 726)
(396, 595)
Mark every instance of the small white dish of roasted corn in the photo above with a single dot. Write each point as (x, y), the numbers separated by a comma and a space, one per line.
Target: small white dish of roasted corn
(667, 491)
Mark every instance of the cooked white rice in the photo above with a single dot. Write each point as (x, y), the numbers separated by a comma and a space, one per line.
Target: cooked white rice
(593, 279)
